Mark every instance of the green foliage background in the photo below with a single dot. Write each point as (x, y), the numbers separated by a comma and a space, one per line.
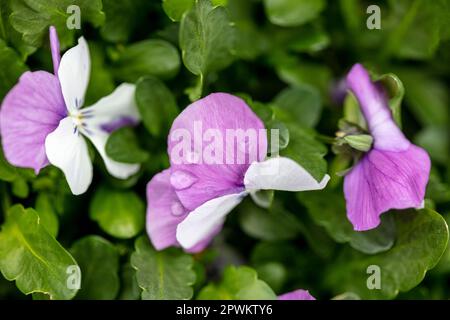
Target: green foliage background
(286, 58)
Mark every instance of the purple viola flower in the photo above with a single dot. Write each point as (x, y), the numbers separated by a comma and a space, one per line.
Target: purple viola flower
(394, 173)
(299, 294)
(217, 148)
(42, 122)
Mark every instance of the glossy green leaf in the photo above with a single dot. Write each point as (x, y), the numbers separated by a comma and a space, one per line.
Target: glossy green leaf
(47, 214)
(331, 215)
(300, 104)
(288, 13)
(156, 104)
(206, 39)
(119, 213)
(32, 18)
(154, 57)
(238, 283)
(129, 289)
(32, 257)
(163, 275)
(421, 241)
(122, 146)
(99, 263)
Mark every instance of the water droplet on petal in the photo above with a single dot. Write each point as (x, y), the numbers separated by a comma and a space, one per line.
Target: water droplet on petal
(181, 179)
(177, 209)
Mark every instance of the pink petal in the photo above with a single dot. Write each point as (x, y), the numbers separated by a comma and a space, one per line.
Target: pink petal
(30, 111)
(374, 106)
(385, 180)
(54, 45)
(297, 295)
(165, 212)
(197, 182)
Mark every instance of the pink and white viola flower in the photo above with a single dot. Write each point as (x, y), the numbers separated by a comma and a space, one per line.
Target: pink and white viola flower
(394, 173)
(188, 203)
(299, 294)
(42, 122)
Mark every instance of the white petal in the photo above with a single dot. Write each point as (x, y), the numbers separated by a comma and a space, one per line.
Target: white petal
(73, 73)
(67, 150)
(116, 169)
(106, 111)
(204, 220)
(118, 105)
(281, 173)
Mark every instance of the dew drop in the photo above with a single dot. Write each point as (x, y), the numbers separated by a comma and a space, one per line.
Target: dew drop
(177, 209)
(181, 179)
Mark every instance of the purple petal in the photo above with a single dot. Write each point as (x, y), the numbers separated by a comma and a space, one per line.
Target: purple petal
(297, 295)
(197, 179)
(56, 54)
(374, 106)
(385, 180)
(119, 123)
(165, 212)
(30, 111)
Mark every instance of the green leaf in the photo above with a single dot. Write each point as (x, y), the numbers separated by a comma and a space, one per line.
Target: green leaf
(47, 214)
(176, 8)
(395, 91)
(360, 142)
(7, 171)
(300, 104)
(152, 96)
(99, 263)
(271, 225)
(129, 289)
(421, 241)
(436, 141)
(206, 39)
(149, 57)
(238, 283)
(162, 275)
(123, 18)
(426, 97)
(307, 151)
(20, 188)
(122, 146)
(289, 13)
(331, 215)
(32, 257)
(119, 213)
(12, 68)
(32, 18)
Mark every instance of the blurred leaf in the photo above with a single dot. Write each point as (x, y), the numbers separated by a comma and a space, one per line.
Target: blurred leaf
(162, 275)
(32, 18)
(99, 263)
(32, 257)
(156, 104)
(422, 239)
(289, 13)
(436, 141)
(119, 213)
(176, 8)
(20, 188)
(47, 214)
(122, 146)
(301, 105)
(395, 91)
(122, 18)
(427, 97)
(149, 57)
(273, 273)
(12, 68)
(331, 215)
(206, 40)
(274, 224)
(238, 283)
(101, 82)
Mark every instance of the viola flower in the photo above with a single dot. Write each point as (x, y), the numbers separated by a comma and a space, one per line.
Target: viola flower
(42, 122)
(217, 148)
(299, 294)
(394, 173)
